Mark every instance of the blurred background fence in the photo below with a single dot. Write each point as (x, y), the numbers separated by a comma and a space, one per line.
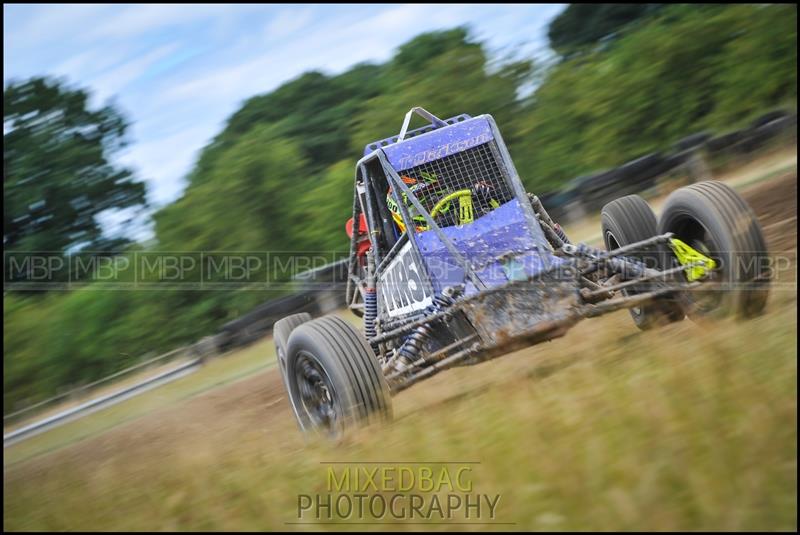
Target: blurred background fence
(690, 158)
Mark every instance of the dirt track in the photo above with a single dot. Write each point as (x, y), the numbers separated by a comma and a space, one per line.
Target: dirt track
(775, 204)
(256, 409)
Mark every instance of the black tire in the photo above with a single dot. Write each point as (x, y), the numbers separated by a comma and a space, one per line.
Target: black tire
(627, 220)
(280, 335)
(692, 141)
(333, 378)
(768, 118)
(711, 217)
(724, 141)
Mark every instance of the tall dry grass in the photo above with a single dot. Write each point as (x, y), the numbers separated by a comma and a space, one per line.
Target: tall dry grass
(690, 427)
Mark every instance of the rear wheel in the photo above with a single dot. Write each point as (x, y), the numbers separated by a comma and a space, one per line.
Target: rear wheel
(712, 218)
(333, 378)
(627, 220)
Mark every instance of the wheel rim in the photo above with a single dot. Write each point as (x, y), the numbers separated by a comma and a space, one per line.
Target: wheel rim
(613, 243)
(317, 395)
(611, 240)
(697, 236)
(710, 299)
(281, 359)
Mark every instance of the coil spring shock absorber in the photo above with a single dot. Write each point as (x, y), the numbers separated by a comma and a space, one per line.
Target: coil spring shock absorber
(371, 304)
(409, 351)
(560, 232)
(370, 313)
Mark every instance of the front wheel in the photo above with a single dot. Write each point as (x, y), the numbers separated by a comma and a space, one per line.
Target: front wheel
(333, 378)
(713, 219)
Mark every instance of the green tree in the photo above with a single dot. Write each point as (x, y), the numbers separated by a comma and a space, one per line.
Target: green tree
(446, 73)
(58, 173)
(758, 69)
(583, 24)
(685, 70)
(249, 200)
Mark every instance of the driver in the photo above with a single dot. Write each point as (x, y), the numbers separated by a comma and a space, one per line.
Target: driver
(429, 192)
(426, 191)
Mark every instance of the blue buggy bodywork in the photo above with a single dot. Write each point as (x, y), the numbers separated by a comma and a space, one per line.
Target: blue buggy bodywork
(504, 229)
(501, 230)
(427, 144)
(507, 228)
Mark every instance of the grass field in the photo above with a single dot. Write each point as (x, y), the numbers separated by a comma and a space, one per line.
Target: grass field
(216, 373)
(688, 427)
(228, 368)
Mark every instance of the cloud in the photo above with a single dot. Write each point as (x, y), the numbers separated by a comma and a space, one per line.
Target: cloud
(47, 23)
(332, 45)
(162, 161)
(94, 62)
(140, 19)
(88, 61)
(114, 81)
(287, 22)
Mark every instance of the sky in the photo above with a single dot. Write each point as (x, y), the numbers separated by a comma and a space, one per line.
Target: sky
(178, 72)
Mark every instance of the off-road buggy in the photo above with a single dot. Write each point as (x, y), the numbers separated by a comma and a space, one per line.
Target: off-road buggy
(453, 263)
